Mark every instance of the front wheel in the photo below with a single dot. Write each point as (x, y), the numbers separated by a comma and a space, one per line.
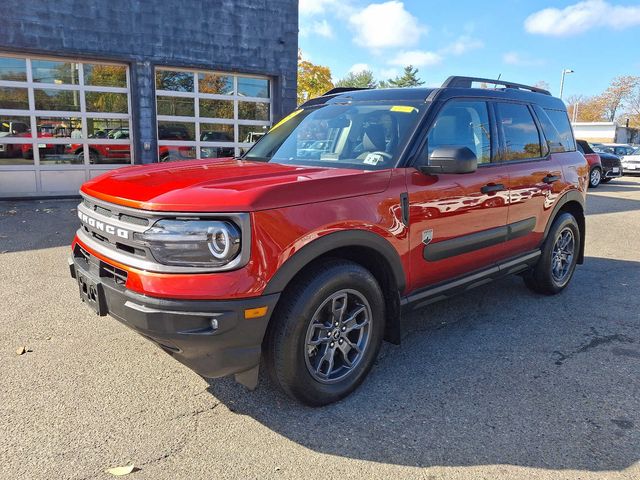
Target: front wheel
(595, 177)
(326, 332)
(559, 257)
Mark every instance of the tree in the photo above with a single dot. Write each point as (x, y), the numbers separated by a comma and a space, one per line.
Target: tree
(633, 108)
(589, 109)
(409, 78)
(620, 90)
(542, 84)
(362, 79)
(313, 80)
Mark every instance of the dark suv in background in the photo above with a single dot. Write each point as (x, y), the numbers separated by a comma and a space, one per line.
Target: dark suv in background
(610, 166)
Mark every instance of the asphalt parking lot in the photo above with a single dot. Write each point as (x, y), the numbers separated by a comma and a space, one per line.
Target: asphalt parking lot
(501, 383)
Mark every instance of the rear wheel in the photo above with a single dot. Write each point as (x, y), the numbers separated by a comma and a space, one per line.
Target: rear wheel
(326, 333)
(557, 263)
(595, 177)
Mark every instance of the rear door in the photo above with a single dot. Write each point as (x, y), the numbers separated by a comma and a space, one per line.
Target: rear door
(535, 175)
(457, 221)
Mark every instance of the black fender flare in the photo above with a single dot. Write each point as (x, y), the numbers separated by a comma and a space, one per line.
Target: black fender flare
(570, 196)
(333, 241)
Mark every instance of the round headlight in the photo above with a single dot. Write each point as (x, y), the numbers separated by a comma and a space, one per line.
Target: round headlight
(219, 241)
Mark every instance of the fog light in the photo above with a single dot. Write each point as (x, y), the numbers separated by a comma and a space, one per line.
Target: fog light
(214, 324)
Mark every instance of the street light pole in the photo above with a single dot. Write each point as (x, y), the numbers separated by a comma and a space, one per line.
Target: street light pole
(564, 72)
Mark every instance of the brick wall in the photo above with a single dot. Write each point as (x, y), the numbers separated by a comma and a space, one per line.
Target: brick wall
(250, 36)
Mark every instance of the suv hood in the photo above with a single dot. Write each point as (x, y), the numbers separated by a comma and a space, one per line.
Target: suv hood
(230, 185)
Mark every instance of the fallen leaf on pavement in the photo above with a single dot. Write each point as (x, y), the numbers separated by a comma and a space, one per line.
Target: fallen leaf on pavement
(21, 350)
(120, 471)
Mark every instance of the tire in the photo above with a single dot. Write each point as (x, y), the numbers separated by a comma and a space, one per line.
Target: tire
(546, 279)
(606, 180)
(311, 363)
(595, 177)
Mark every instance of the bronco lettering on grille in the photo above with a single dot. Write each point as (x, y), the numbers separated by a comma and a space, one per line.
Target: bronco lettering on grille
(103, 227)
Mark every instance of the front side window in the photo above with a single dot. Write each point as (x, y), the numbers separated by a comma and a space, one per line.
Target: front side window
(520, 133)
(366, 136)
(462, 124)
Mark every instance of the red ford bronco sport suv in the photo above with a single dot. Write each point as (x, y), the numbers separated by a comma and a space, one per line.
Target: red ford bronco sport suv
(357, 207)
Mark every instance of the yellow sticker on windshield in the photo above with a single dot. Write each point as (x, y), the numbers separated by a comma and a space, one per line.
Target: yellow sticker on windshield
(403, 109)
(286, 119)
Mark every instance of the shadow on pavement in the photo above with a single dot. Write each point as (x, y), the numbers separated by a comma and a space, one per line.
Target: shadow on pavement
(497, 376)
(35, 224)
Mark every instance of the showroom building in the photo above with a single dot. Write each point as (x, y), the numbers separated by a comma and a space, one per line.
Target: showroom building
(86, 86)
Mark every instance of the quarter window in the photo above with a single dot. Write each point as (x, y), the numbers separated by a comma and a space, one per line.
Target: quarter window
(521, 136)
(561, 123)
(463, 124)
(209, 114)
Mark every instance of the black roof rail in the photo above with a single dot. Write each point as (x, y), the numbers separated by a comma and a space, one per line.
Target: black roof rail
(335, 90)
(466, 82)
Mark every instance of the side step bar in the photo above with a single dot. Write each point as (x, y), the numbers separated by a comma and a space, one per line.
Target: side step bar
(450, 288)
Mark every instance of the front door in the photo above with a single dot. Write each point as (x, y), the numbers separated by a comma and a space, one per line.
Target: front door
(457, 221)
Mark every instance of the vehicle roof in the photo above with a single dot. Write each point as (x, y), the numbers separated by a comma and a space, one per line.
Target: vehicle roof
(446, 93)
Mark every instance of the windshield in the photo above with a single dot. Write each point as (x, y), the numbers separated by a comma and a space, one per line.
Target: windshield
(362, 136)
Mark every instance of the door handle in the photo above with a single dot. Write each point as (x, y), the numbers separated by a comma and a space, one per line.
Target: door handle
(551, 178)
(492, 187)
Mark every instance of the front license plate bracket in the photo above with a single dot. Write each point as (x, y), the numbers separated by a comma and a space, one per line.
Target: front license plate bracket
(92, 294)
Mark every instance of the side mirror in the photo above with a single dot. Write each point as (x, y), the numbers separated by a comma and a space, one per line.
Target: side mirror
(451, 159)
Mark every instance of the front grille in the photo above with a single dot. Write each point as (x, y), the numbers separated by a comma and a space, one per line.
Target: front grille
(112, 213)
(104, 270)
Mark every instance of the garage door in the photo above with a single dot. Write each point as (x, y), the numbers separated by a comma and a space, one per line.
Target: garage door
(61, 123)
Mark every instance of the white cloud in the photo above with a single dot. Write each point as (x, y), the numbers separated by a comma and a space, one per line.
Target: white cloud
(417, 58)
(359, 67)
(581, 17)
(315, 7)
(383, 25)
(514, 58)
(463, 45)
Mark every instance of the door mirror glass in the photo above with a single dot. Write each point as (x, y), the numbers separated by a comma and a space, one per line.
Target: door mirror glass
(451, 159)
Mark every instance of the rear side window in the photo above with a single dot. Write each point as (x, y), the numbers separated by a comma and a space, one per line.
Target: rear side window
(560, 121)
(521, 136)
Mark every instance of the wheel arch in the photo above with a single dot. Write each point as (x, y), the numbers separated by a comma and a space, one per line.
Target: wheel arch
(365, 248)
(572, 202)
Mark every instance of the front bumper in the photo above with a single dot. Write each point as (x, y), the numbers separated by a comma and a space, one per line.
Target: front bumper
(631, 167)
(609, 172)
(211, 337)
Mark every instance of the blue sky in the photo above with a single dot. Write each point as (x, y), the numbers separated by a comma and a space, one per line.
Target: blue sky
(524, 40)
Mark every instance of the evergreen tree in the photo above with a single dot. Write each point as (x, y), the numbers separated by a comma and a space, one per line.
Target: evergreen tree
(408, 79)
(363, 79)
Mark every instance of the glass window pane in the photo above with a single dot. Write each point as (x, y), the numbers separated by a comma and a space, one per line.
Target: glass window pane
(251, 133)
(16, 154)
(520, 132)
(216, 108)
(174, 81)
(14, 98)
(216, 132)
(170, 153)
(59, 127)
(177, 106)
(462, 124)
(106, 102)
(108, 128)
(253, 87)
(215, 83)
(47, 99)
(561, 123)
(60, 73)
(100, 154)
(253, 111)
(14, 126)
(176, 131)
(217, 152)
(51, 154)
(14, 69)
(105, 75)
